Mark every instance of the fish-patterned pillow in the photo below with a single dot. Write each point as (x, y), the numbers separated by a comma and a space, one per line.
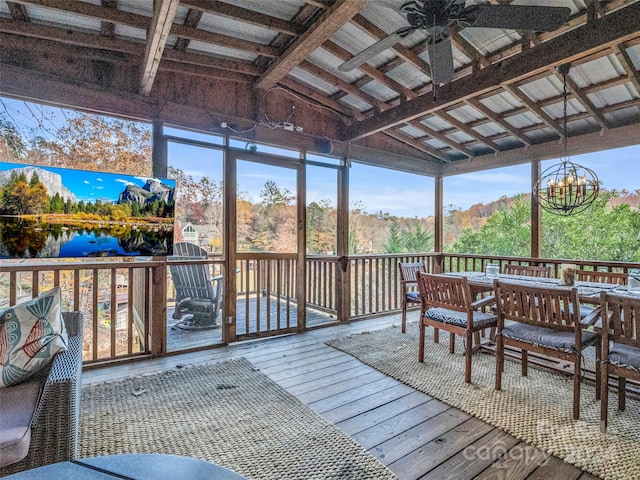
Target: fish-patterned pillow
(31, 333)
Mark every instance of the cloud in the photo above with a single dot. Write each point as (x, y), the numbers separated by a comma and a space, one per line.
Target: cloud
(146, 179)
(99, 188)
(86, 182)
(124, 182)
(98, 179)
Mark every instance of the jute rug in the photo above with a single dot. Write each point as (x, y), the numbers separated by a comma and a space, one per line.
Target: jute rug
(227, 413)
(536, 409)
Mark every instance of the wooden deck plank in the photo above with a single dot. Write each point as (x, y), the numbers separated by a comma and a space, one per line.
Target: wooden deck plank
(405, 421)
(377, 388)
(338, 377)
(517, 464)
(337, 388)
(365, 404)
(314, 374)
(415, 435)
(428, 456)
(376, 416)
(556, 468)
(475, 458)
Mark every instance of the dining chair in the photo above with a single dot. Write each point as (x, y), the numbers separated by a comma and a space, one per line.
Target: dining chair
(544, 320)
(620, 348)
(447, 304)
(599, 276)
(409, 285)
(529, 270)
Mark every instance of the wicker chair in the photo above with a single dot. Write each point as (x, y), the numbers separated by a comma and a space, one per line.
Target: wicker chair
(409, 284)
(620, 348)
(529, 270)
(55, 421)
(447, 304)
(546, 321)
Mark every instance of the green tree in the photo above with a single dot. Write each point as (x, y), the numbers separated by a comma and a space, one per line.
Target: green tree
(395, 243)
(417, 239)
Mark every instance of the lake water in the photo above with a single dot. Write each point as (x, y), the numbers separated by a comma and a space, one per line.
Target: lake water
(20, 238)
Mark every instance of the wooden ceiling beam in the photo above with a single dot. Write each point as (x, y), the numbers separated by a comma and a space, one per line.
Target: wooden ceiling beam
(577, 145)
(331, 20)
(614, 28)
(441, 137)
(417, 144)
(369, 71)
(346, 87)
(121, 17)
(587, 104)
(164, 11)
(244, 15)
(320, 99)
(625, 60)
(534, 108)
(18, 12)
(108, 29)
(192, 20)
(498, 120)
(463, 127)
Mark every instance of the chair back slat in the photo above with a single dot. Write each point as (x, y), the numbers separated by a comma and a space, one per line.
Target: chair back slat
(409, 271)
(442, 291)
(529, 270)
(543, 307)
(598, 276)
(624, 318)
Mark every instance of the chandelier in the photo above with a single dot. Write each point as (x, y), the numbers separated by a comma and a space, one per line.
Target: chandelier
(566, 188)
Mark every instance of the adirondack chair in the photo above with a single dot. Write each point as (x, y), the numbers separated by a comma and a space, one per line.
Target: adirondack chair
(197, 294)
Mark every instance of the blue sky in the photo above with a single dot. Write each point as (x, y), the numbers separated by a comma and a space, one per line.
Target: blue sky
(375, 189)
(91, 186)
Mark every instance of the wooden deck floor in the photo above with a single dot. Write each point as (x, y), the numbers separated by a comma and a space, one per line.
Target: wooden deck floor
(413, 434)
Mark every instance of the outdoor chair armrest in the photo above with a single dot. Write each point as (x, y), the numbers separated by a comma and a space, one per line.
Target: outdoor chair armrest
(484, 302)
(593, 318)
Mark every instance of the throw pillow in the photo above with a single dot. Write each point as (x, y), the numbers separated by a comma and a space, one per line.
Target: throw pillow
(31, 333)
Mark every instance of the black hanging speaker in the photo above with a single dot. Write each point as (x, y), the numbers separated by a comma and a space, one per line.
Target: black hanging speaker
(322, 145)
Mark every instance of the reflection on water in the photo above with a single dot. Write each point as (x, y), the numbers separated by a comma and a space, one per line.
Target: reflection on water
(20, 238)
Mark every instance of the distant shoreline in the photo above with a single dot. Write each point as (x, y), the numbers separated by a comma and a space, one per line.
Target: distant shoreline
(73, 219)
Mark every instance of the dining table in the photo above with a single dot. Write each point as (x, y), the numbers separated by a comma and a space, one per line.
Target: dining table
(589, 292)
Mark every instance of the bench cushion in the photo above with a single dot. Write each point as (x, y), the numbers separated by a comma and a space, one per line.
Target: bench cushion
(625, 356)
(17, 404)
(547, 337)
(458, 318)
(413, 296)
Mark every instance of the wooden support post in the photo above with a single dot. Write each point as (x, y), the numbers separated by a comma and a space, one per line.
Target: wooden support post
(438, 236)
(230, 249)
(536, 217)
(159, 158)
(301, 261)
(343, 268)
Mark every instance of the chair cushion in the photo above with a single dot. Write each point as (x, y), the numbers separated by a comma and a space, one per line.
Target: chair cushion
(625, 356)
(17, 404)
(31, 333)
(413, 297)
(547, 337)
(458, 318)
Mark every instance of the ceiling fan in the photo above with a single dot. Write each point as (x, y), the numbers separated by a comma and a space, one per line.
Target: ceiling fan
(436, 16)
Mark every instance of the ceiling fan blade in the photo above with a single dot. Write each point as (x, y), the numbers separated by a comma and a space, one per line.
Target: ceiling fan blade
(440, 60)
(374, 50)
(517, 17)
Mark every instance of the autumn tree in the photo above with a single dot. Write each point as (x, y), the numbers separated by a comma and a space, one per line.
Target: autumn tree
(94, 142)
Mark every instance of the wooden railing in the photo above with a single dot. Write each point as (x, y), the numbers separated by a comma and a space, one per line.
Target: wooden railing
(125, 302)
(118, 300)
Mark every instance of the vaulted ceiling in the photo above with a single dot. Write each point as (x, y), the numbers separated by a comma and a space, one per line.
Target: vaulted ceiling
(268, 69)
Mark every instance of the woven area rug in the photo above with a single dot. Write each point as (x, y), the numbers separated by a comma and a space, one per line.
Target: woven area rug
(227, 413)
(536, 409)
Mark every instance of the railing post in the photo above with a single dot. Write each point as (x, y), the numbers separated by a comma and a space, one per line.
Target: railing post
(158, 343)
